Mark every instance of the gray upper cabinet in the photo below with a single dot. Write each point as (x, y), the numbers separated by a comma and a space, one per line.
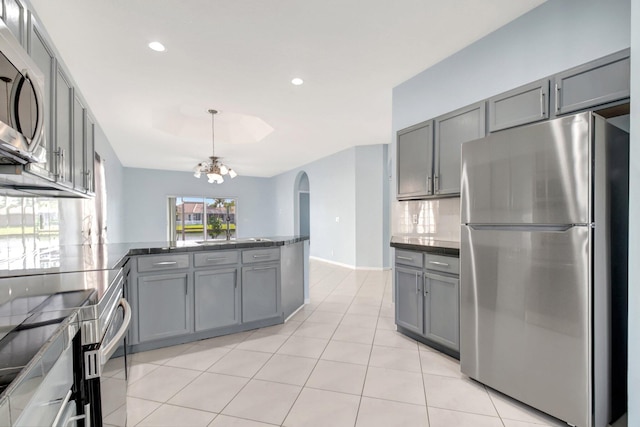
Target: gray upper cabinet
(217, 298)
(442, 309)
(43, 56)
(598, 82)
(14, 16)
(451, 131)
(79, 143)
(409, 301)
(163, 306)
(415, 161)
(526, 104)
(89, 153)
(260, 292)
(63, 125)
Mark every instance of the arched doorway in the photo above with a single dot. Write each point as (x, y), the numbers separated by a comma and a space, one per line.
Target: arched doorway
(302, 204)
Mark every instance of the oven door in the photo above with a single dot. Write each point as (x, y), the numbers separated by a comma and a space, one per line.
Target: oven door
(106, 371)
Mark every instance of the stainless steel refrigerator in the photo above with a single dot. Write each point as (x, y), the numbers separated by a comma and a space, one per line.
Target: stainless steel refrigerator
(543, 279)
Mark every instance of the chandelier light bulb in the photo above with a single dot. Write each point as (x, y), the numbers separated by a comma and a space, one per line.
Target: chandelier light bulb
(224, 170)
(232, 173)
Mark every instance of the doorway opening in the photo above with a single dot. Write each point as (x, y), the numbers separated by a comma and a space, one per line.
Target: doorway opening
(302, 203)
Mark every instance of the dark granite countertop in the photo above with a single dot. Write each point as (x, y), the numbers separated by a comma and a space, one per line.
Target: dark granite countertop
(426, 244)
(78, 258)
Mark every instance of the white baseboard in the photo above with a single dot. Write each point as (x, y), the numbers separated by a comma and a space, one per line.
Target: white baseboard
(353, 267)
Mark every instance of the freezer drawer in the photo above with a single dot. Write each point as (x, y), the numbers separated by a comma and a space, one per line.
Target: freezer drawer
(525, 306)
(535, 174)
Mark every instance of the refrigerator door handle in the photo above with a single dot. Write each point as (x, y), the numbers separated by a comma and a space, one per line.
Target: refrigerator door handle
(528, 227)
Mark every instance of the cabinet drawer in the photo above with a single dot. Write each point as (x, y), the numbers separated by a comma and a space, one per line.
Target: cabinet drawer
(411, 258)
(447, 264)
(208, 259)
(163, 262)
(260, 255)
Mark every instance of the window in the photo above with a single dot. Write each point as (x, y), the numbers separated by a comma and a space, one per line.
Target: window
(201, 218)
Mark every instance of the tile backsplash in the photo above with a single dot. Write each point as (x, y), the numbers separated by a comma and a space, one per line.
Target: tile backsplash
(438, 219)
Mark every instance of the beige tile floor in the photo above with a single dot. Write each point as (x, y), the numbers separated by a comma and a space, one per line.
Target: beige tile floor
(337, 362)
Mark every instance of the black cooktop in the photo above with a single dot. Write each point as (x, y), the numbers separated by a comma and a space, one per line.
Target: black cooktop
(42, 315)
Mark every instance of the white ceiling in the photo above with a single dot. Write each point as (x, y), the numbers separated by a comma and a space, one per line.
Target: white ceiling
(239, 56)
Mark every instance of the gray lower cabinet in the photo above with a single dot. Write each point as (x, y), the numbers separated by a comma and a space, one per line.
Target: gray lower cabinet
(451, 131)
(260, 292)
(163, 306)
(526, 104)
(427, 298)
(442, 309)
(409, 301)
(415, 161)
(217, 298)
(598, 82)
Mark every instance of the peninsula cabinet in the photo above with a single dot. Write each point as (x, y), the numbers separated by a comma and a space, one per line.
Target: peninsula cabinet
(415, 161)
(260, 292)
(217, 298)
(523, 105)
(451, 131)
(163, 306)
(598, 82)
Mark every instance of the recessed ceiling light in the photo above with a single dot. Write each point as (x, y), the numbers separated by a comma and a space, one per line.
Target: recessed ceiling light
(157, 46)
(297, 81)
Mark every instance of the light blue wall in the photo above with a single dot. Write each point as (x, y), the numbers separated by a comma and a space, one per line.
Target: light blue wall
(371, 206)
(332, 194)
(146, 192)
(349, 185)
(634, 224)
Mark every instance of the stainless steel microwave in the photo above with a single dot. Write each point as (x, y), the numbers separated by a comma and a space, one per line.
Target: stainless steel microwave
(21, 104)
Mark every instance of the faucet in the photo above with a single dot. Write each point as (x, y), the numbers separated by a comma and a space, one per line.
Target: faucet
(228, 221)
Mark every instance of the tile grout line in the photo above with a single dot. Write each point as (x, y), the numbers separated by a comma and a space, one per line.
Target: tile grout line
(316, 364)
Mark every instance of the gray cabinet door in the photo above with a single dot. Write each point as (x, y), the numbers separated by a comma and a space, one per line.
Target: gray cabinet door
(260, 292)
(217, 298)
(452, 130)
(526, 104)
(409, 301)
(79, 142)
(442, 309)
(89, 155)
(43, 57)
(415, 160)
(63, 132)
(14, 18)
(598, 82)
(163, 306)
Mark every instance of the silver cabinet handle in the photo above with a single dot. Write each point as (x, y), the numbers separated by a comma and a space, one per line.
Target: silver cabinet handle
(417, 282)
(404, 257)
(165, 263)
(262, 268)
(436, 184)
(424, 284)
(216, 259)
(66, 399)
(543, 107)
(429, 185)
(439, 263)
(262, 256)
(557, 98)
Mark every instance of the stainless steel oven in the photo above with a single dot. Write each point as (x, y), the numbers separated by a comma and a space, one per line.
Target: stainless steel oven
(104, 327)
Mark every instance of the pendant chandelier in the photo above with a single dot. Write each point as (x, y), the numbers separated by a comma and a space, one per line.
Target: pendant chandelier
(213, 168)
